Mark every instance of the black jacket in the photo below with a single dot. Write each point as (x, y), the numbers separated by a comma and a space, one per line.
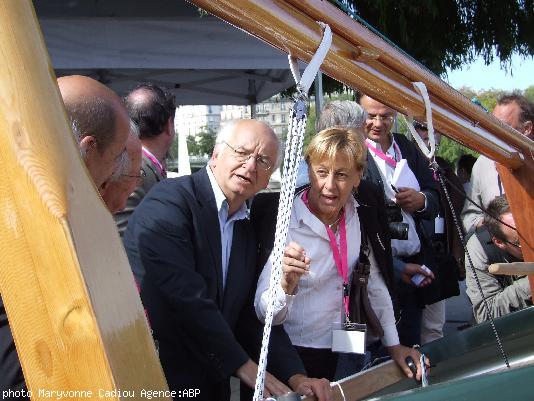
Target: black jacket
(10, 370)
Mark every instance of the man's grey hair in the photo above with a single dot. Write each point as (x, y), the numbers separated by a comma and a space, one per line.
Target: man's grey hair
(341, 113)
(124, 164)
(227, 129)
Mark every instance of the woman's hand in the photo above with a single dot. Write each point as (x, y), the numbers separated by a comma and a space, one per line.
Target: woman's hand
(294, 264)
(320, 388)
(399, 353)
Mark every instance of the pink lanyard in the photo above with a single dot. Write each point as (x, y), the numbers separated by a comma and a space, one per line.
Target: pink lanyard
(388, 159)
(155, 161)
(340, 254)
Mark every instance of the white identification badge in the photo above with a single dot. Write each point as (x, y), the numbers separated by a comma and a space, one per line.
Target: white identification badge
(439, 225)
(349, 337)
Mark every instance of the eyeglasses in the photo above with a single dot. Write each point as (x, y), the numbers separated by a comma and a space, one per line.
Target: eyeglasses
(515, 243)
(378, 118)
(140, 177)
(242, 156)
(418, 125)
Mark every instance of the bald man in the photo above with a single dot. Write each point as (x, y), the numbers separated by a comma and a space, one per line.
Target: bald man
(100, 124)
(115, 192)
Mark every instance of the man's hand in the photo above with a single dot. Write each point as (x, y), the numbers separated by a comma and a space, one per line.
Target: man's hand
(410, 200)
(295, 264)
(411, 269)
(247, 374)
(304, 385)
(399, 353)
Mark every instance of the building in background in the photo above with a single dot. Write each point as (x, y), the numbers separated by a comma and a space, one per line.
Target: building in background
(190, 120)
(198, 121)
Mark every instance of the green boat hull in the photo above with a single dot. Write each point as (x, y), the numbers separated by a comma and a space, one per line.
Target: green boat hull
(470, 367)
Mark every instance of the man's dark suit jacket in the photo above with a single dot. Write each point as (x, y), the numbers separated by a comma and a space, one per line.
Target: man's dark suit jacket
(10, 370)
(203, 332)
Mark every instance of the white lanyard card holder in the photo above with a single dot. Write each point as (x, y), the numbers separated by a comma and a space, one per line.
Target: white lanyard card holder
(349, 337)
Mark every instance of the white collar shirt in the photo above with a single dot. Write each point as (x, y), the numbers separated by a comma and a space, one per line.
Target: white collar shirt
(412, 245)
(309, 315)
(226, 224)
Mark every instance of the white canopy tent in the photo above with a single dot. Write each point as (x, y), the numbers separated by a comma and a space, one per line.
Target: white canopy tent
(202, 59)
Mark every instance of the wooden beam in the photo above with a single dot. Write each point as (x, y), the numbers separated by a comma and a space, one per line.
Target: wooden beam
(512, 269)
(391, 57)
(289, 28)
(518, 185)
(73, 307)
(361, 385)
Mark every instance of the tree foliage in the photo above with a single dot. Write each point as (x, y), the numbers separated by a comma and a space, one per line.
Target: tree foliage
(202, 144)
(449, 33)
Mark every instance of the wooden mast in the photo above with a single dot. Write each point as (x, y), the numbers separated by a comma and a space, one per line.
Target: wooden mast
(73, 307)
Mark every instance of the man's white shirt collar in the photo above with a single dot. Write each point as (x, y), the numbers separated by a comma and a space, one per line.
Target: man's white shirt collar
(220, 199)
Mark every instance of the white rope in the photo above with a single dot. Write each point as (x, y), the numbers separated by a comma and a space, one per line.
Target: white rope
(340, 390)
(297, 127)
(421, 88)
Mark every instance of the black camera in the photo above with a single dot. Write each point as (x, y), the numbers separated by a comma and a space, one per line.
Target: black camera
(397, 228)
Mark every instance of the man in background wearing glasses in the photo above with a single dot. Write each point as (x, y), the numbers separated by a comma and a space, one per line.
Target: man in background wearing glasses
(192, 238)
(495, 242)
(115, 192)
(411, 251)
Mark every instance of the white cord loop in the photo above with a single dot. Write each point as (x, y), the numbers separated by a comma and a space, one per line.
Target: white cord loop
(304, 83)
(295, 138)
(340, 390)
(421, 88)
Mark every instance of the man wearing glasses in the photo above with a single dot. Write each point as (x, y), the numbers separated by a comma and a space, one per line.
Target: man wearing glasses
(192, 238)
(115, 192)
(411, 247)
(496, 242)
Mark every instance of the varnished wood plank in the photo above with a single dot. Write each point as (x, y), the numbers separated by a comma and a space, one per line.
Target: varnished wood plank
(512, 269)
(389, 56)
(74, 310)
(519, 187)
(360, 385)
(291, 30)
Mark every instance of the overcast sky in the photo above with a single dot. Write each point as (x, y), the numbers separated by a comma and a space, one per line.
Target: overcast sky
(479, 76)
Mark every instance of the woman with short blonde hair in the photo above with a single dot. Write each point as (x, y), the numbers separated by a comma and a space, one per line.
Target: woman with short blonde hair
(325, 243)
